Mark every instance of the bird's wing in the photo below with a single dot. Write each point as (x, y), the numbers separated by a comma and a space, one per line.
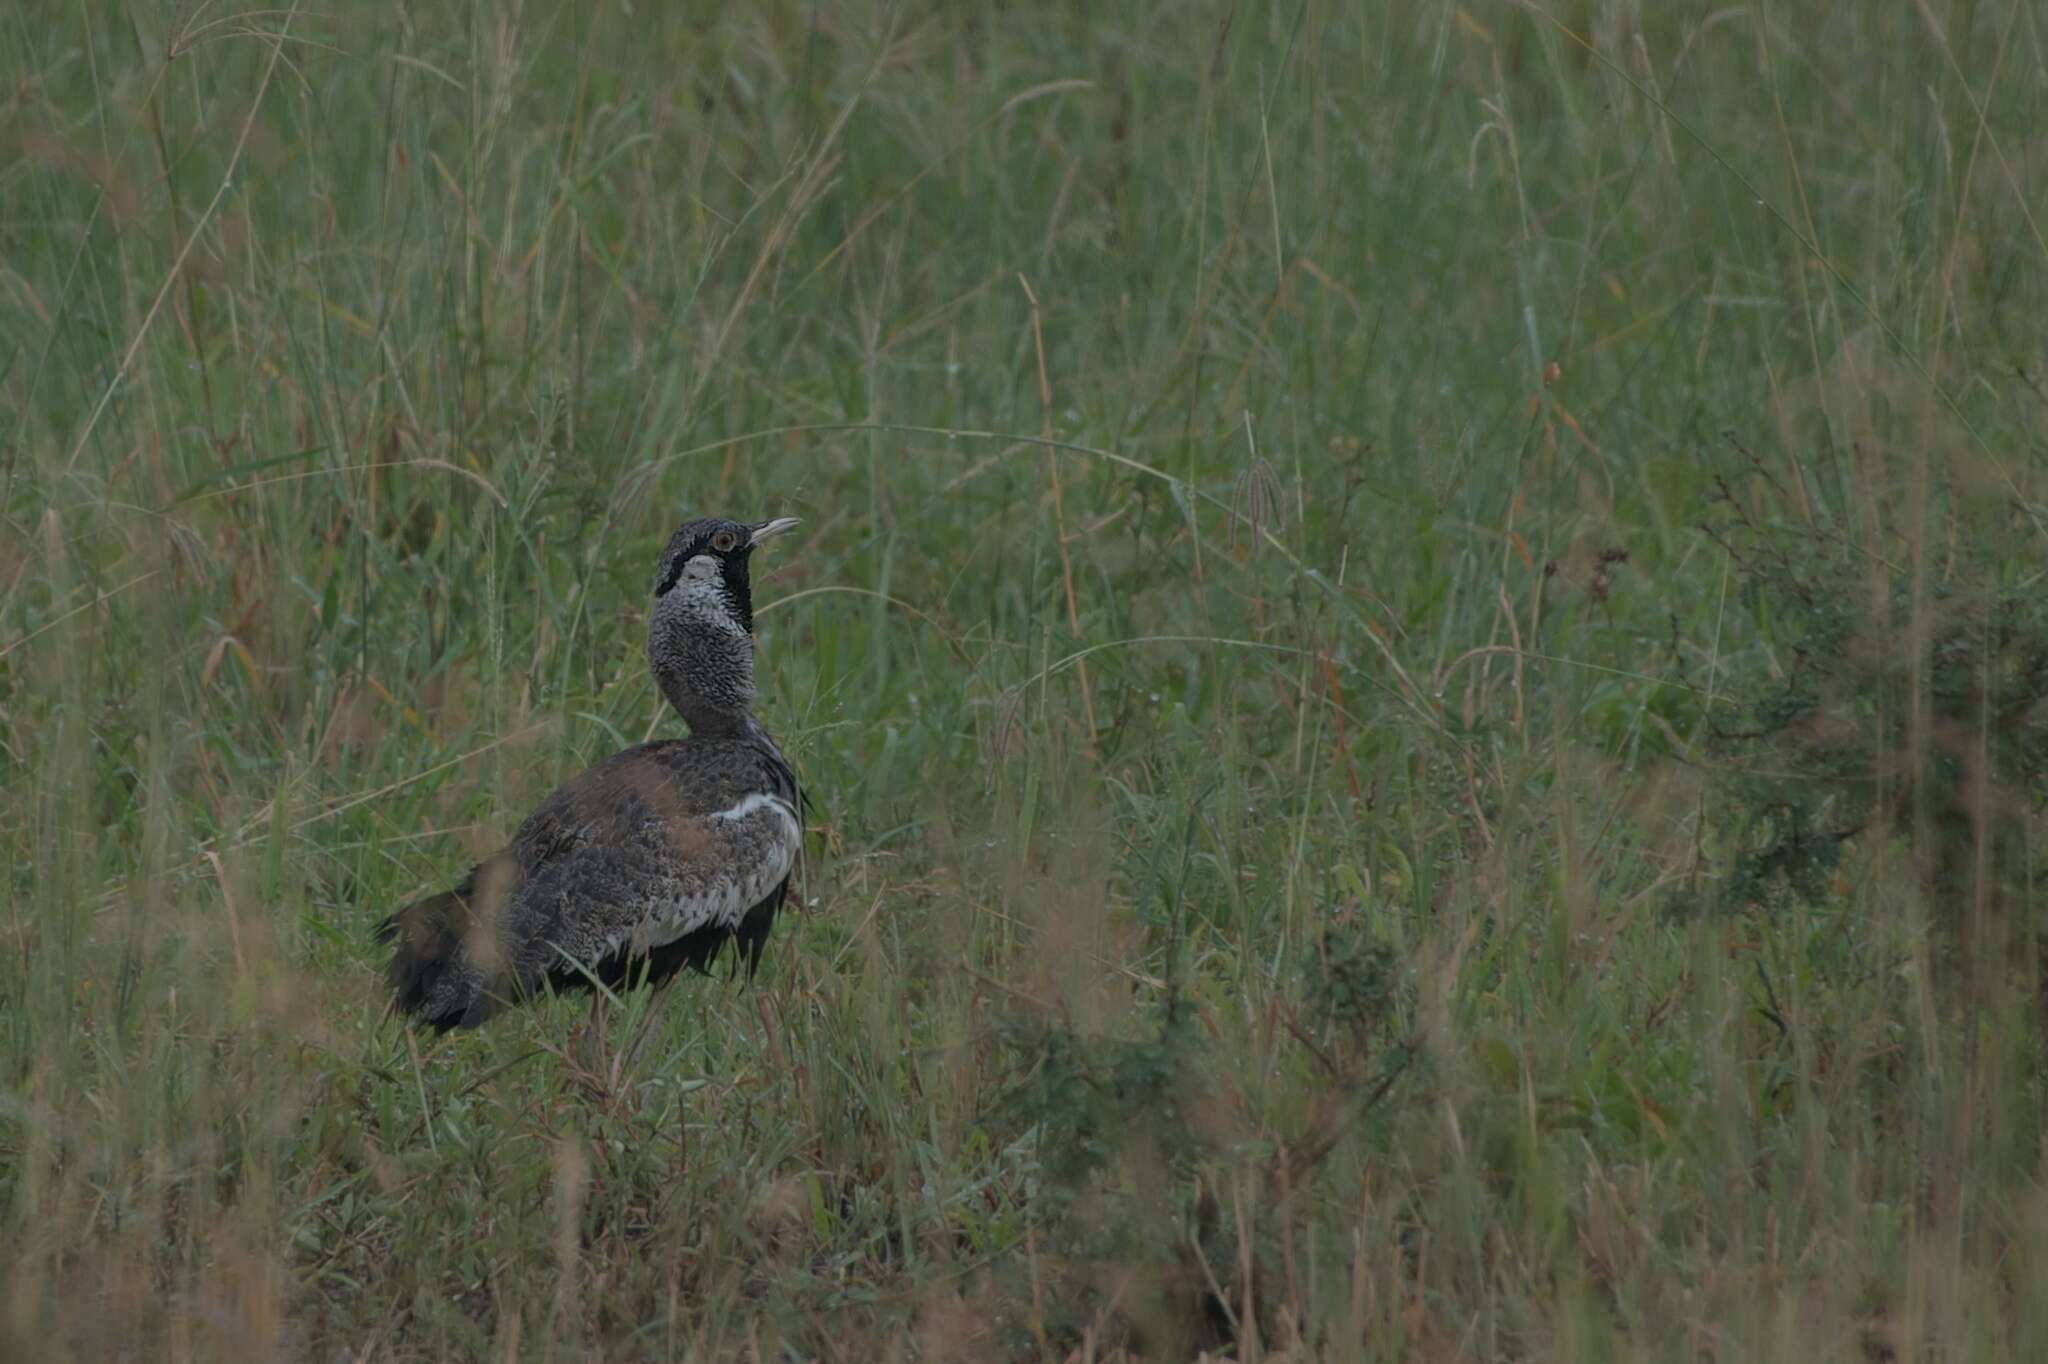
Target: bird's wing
(633, 854)
(647, 847)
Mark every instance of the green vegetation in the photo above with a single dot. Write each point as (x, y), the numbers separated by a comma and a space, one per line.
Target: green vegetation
(1416, 642)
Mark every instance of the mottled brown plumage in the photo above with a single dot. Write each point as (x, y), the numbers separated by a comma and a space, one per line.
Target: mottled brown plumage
(652, 859)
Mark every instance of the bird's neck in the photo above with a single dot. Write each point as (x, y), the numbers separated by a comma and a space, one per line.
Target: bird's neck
(709, 719)
(707, 674)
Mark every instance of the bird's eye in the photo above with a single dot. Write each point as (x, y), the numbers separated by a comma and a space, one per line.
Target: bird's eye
(725, 542)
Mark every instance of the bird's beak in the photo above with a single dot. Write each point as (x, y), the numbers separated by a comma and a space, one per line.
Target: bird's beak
(764, 530)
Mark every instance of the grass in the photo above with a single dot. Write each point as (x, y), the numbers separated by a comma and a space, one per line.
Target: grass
(1282, 494)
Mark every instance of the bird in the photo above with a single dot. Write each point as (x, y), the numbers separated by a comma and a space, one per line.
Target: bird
(652, 859)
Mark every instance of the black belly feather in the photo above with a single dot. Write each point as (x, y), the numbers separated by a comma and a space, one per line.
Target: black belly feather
(698, 951)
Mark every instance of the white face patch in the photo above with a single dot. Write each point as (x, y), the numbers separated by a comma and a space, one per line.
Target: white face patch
(699, 594)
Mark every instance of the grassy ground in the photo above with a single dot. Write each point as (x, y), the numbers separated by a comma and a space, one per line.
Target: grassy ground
(1304, 508)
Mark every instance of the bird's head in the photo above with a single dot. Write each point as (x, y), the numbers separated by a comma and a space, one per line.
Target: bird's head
(703, 571)
(700, 632)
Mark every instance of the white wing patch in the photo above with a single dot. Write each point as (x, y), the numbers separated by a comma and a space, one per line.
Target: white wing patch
(760, 801)
(722, 865)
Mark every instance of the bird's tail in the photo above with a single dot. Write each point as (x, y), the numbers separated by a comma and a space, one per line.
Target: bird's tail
(446, 967)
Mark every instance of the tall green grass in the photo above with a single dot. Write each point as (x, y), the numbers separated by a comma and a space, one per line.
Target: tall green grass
(1269, 609)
